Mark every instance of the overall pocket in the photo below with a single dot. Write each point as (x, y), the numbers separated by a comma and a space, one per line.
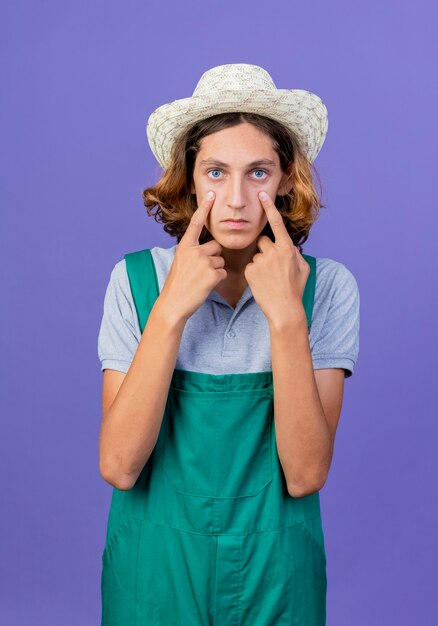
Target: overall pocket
(119, 573)
(309, 574)
(218, 443)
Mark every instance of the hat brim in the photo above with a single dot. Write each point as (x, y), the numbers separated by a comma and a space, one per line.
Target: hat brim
(300, 110)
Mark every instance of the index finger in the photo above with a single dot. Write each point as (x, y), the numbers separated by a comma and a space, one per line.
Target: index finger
(197, 221)
(275, 220)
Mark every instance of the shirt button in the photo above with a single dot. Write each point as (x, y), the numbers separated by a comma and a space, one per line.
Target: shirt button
(231, 333)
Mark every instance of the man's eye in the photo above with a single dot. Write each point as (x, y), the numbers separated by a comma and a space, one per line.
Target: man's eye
(209, 171)
(263, 172)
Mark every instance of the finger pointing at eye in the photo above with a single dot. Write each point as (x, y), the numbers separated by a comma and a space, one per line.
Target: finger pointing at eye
(275, 220)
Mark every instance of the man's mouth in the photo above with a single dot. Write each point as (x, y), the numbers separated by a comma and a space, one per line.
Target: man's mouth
(235, 224)
(235, 221)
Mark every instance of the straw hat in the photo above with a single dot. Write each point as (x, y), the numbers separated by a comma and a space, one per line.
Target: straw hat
(239, 87)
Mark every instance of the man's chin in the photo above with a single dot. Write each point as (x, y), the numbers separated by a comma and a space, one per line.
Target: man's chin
(236, 241)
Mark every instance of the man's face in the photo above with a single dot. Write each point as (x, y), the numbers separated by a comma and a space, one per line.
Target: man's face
(226, 163)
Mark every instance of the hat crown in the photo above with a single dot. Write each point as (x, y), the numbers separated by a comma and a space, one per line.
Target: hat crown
(234, 77)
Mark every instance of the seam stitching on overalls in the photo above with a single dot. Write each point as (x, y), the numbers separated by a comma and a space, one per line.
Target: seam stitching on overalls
(239, 595)
(136, 573)
(315, 542)
(216, 520)
(291, 538)
(183, 530)
(122, 526)
(215, 583)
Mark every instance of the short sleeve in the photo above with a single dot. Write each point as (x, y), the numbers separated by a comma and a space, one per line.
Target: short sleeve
(337, 343)
(119, 333)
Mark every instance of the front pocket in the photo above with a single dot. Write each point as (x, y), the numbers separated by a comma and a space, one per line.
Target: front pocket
(309, 574)
(119, 574)
(314, 528)
(218, 443)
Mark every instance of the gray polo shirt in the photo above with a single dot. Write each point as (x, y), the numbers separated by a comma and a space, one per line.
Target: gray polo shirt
(220, 339)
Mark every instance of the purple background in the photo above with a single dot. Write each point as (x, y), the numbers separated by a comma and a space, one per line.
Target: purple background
(78, 81)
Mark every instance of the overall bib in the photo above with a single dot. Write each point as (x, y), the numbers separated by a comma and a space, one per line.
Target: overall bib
(209, 535)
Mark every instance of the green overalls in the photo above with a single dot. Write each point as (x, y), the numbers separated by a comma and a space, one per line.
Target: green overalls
(209, 534)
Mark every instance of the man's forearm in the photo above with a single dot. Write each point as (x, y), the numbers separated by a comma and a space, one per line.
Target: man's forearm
(302, 432)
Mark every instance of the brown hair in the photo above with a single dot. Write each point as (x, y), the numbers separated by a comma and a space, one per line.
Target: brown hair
(175, 204)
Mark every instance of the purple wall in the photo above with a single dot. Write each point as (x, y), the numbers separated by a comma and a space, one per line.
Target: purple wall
(78, 81)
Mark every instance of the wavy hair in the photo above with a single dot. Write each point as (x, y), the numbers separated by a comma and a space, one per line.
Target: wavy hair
(175, 204)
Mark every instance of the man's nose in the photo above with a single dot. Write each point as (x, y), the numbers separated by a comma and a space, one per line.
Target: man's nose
(236, 192)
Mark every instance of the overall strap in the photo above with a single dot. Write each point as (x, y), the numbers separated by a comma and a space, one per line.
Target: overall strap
(309, 290)
(145, 289)
(143, 281)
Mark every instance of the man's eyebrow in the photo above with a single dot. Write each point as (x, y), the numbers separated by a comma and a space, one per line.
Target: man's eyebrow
(222, 164)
